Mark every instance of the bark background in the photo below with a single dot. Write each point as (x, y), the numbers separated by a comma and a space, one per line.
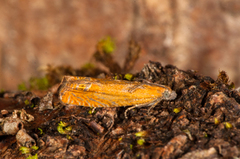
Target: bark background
(202, 35)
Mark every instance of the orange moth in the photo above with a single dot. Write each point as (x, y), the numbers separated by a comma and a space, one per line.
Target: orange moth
(94, 92)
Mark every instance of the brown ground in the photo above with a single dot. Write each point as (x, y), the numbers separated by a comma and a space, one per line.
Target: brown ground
(206, 126)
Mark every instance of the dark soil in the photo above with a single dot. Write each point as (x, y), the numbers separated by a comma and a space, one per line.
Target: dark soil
(202, 122)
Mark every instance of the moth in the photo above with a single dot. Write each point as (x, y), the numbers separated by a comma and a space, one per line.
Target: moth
(94, 92)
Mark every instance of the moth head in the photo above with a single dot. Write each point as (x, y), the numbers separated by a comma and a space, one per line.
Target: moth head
(169, 95)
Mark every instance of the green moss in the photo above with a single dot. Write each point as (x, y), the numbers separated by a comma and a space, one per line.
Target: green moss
(216, 121)
(228, 125)
(26, 102)
(141, 134)
(62, 124)
(39, 83)
(63, 129)
(32, 105)
(92, 110)
(24, 150)
(231, 85)
(35, 84)
(131, 146)
(33, 157)
(69, 128)
(88, 66)
(22, 87)
(34, 147)
(177, 110)
(41, 131)
(140, 141)
(69, 137)
(205, 134)
(129, 76)
(107, 45)
(2, 90)
(117, 76)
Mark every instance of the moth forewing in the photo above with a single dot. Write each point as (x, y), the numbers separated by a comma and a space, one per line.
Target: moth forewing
(92, 92)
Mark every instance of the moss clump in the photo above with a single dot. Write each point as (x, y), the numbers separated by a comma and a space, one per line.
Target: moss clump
(107, 45)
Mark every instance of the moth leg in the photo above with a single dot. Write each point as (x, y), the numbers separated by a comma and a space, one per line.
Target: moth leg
(93, 109)
(153, 105)
(132, 107)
